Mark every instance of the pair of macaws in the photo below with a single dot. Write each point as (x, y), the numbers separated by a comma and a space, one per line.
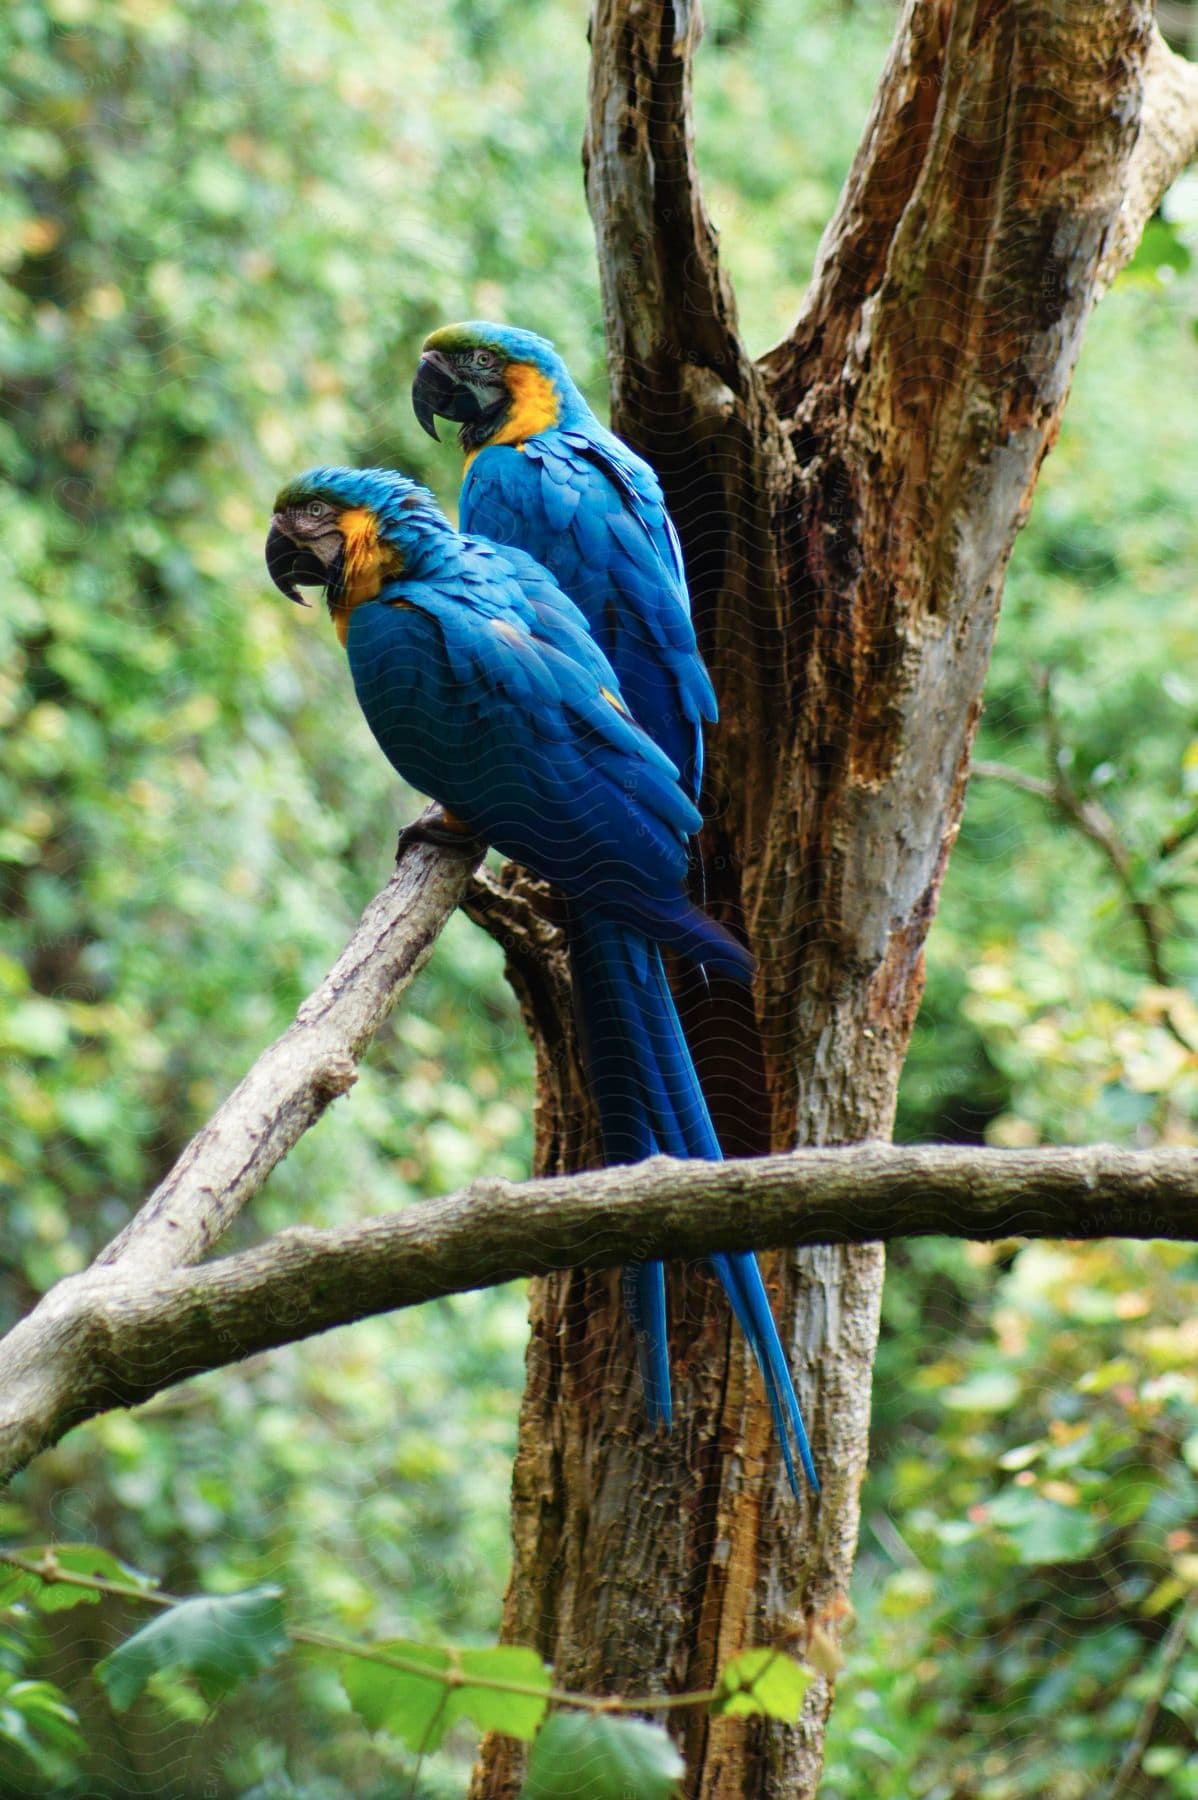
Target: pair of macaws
(537, 674)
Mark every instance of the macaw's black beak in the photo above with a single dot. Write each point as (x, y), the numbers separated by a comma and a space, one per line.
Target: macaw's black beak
(289, 564)
(436, 392)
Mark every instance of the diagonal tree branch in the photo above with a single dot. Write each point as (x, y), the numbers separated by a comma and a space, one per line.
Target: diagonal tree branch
(1095, 823)
(293, 1081)
(119, 1333)
(853, 254)
(1166, 143)
(1172, 1651)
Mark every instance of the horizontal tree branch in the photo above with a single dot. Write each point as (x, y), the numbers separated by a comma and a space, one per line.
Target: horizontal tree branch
(117, 1334)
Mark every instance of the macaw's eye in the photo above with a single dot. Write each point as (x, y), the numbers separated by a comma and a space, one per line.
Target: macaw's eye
(316, 509)
(485, 359)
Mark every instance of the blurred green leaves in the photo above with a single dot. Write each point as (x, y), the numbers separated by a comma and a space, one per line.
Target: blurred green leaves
(53, 1595)
(220, 1640)
(579, 1756)
(1162, 247)
(37, 1723)
(224, 230)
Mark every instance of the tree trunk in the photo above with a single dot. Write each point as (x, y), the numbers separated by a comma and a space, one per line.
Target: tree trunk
(847, 506)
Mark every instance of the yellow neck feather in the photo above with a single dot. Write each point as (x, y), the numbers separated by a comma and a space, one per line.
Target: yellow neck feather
(367, 564)
(535, 407)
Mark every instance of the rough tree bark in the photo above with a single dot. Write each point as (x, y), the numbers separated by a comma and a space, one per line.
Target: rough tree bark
(847, 506)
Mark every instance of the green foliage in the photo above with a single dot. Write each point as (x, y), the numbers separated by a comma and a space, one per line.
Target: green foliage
(190, 819)
(583, 1756)
(420, 1708)
(1161, 247)
(220, 243)
(52, 1595)
(40, 1740)
(412, 1692)
(41, 1745)
(221, 1641)
(781, 94)
(763, 1681)
(1030, 1534)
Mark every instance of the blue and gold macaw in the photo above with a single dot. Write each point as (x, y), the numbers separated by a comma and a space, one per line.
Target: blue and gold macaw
(544, 475)
(484, 688)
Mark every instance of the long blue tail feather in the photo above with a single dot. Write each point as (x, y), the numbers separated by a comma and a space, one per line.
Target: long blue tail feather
(745, 1289)
(645, 1298)
(650, 1101)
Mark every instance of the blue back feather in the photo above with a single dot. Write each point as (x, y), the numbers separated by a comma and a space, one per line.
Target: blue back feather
(592, 512)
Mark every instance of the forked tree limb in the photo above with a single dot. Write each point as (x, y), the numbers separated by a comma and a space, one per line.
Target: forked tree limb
(847, 505)
(117, 1334)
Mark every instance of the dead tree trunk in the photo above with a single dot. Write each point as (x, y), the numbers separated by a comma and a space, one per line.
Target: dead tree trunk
(847, 506)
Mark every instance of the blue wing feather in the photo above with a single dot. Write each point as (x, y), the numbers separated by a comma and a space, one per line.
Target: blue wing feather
(593, 514)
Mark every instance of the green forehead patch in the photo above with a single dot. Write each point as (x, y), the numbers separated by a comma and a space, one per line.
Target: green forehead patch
(458, 337)
(296, 492)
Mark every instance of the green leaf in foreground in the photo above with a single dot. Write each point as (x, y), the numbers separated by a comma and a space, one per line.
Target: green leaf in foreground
(36, 1718)
(14, 1585)
(221, 1640)
(763, 1681)
(588, 1756)
(401, 1702)
(519, 1715)
(82, 1559)
(419, 1708)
